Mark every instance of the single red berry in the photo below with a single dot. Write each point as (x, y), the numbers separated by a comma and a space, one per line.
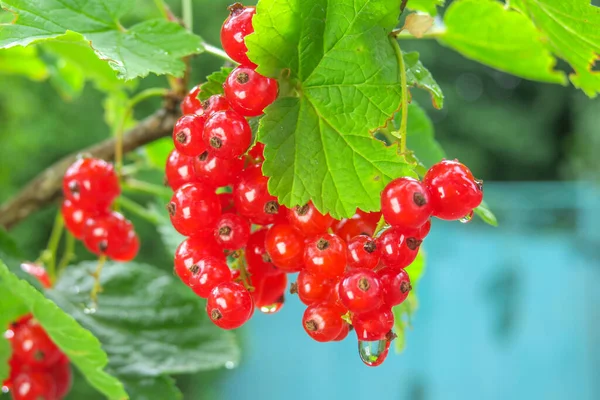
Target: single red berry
(34, 385)
(258, 261)
(227, 134)
(229, 305)
(361, 291)
(191, 251)
(423, 230)
(111, 234)
(373, 325)
(256, 153)
(234, 30)
(207, 274)
(309, 220)
(214, 104)
(361, 223)
(248, 92)
(397, 248)
(217, 172)
(270, 291)
(187, 135)
(232, 231)
(91, 183)
(32, 346)
(313, 288)
(15, 366)
(343, 333)
(285, 246)
(363, 252)
(194, 208)
(322, 322)
(62, 376)
(453, 190)
(227, 204)
(334, 297)
(405, 203)
(38, 272)
(190, 103)
(326, 255)
(75, 217)
(179, 169)
(252, 198)
(396, 285)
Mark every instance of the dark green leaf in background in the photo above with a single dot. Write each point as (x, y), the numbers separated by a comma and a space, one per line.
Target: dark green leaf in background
(427, 6)
(22, 61)
(418, 75)
(214, 83)
(420, 136)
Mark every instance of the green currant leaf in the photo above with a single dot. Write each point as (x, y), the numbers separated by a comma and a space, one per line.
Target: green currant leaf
(11, 308)
(484, 212)
(486, 31)
(82, 348)
(158, 152)
(419, 76)
(152, 388)
(214, 83)
(67, 79)
(344, 80)
(149, 323)
(427, 6)
(570, 30)
(155, 46)
(22, 61)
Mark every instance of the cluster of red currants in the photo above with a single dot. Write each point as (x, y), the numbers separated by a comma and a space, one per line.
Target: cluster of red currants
(38, 369)
(90, 186)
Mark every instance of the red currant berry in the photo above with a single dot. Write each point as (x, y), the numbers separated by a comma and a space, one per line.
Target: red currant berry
(258, 261)
(270, 291)
(179, 170)
(405, 203)
(344, 333)
(227, 204)
(334, 297)
(396, 285)
(190, 103)
(235, 29)
(75, 217)
(16, 367)
(38, 272)
(232, 231)
(285, 246)
(207, 274)
(361, 291)
(216, 171)
(453, 190)
(191, 251)
(194, 208)
(91, 183)
(309, 220)
(373, 325)
(227, 134)
(111, 234)
(363, 252)
(187, 135)
(312, 288)
(62, 376)
(248, 92)
(214, 104)
(256, 153)
(361, 223)
(252, 198)
(33, 385)
(32, 346)
(423, 230)
(322, 322)
(326, 255)
(397, 248)
(229, 305)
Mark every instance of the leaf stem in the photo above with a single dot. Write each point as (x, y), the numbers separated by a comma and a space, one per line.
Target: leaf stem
(48, 256)
(401, 133)
(68, 254)
(135, 186)
(401, 34)
(162, 7)
(138, 210)
(187, 14)
(215, 51)
(97, 288)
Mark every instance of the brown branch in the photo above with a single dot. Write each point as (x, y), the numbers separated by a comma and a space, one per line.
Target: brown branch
(46, 187)
(403, 6)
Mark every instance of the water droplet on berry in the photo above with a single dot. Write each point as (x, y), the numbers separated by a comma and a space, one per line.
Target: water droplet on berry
(5, 389)
(89, 310)
(373, 353)
(467, 218)
(272, 308)
(230, 365)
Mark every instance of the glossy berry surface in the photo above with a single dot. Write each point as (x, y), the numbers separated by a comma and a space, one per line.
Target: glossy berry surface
(405, 203)
(396, 285)
(343, 333)
(62, 376)
(312, 288)
(91, 183)
(258, 261)
(398, 249)
(256, 153)
(214, 104)
(325, 255)
(34, 385)
(111, 234)
(227, 203)
(234, 30)
(373, 325)
(361, 291)
(75, 217)
(454, 192)
(361, 223)
(232, 231)
(270, 290)
(229, 305)
(252, 198)
(227, 134)
(248, 92)
(309, 220)
(32, 346)
(187, 135)
(363, 252)
(285, 246)
(179, 169)
(191, 251)
(217, 172)
(322, 322)
(207, 274)
(190, 103)
(194, 208)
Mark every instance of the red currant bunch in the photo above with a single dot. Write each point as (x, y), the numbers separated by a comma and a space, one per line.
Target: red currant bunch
(38, 369)
(90, 186)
